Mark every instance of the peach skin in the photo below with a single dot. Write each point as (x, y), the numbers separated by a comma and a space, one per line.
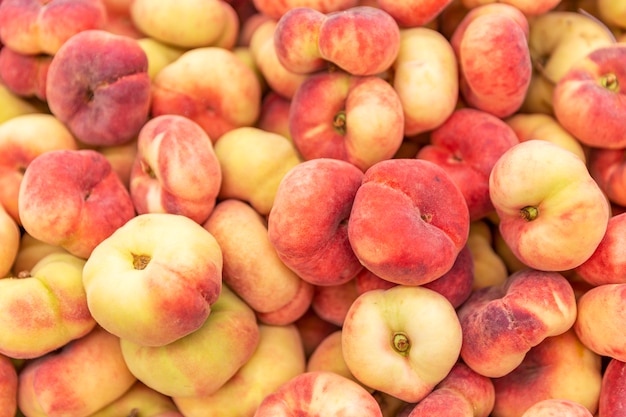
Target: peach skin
(608, 168)
(8, 387)
(11, 239)
(612, 401)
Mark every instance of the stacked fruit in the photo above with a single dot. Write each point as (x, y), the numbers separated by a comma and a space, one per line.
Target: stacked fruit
(272, 208)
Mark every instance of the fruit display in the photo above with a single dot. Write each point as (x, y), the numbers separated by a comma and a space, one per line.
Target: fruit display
(262, 208)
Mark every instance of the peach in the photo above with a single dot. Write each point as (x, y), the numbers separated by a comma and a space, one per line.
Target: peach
(528, 126)
(462, 393)
(495, 67)
(414, 13)
(402, 341)
(332, 302)
(263, 49)
(201, 362)
(313, 330)
(210, 85)
(98, 85)
(607, 167)
(188, 24)
(276, 9)
(253, 163)
(558, 367)
(12, 105)
(274, 114)
(425, 76)
(554, 407)
(293, 310)
(409, 221)
(528, 7)
(366, 280)
(252, 268)
(73, 198)
(605, 265)
(328, 356)
(467, 146)
(44, 308)
(78, 379)
(25, 75)
(591, 92)
(11, 239)
(552, 213)
(122, 158)
(8, 387)
(175, 170)
(456, 284)
(30, 252)
(20, 143)
(612, 13)
(159, 54)
(319, 393)
(315, 243)
(142, 400)
(501, 323)
(358, 119)
(278, 358)
(154, 279)
(489, 267)
(611, 402)
(34, 27)
(603, 336)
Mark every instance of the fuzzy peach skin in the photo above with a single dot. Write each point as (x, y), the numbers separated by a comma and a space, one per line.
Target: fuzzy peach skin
(8, 387)
(409, 221)
(556, 40)
(608, 169)
(402, 341)
(554, 407)
(559, 367)
(274, 116)
(456, 284)
(612, 13)
(319, 393)
(528, 126)
(11, 239)
(278, 358)
(20, 143)
(73, 198)
(276, 9)
(201, 362)
(159, 54)
(142, 400)
(44, 308)
(495, 67)
(467, 146)
(612, 400)
(252, 268)
(313, 330)
(501, 323)
(110, 101)
(414, 13)
(253, 163)
(293, 310)
(425, 76)
(355, 119)
(78, 379)
(328, 356)
(175, 170)
(552, 213)
(593, 326)
(489, 267)
(361, 40)
(296, 40)
(332, 302)
(589, 99)
(315, 243)
(263, 49)
(606, 265)
(154, 279)
(35, 27)
(210, 85)
(25, 75)
(185, 24)
(462, 393)
(528, 7)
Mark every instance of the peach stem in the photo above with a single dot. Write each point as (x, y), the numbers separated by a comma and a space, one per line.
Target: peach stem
(529, 213)
(140, 261)
(610, 82)
(339, 123)
(401, 343)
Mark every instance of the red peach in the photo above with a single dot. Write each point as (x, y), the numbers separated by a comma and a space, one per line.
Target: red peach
(612, 401)
(25, 75)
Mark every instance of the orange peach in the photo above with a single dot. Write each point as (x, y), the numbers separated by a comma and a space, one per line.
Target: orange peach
(98, 85)
(175, 169)
(502, 323)
(154, 280)
(78, 379)
(252, 269)
(73, 198)
(210, 85)
(558, 367)
(35, 27)
(358, 119)
(200, 363)
(20, 143)
(409, 221)
(315, 243)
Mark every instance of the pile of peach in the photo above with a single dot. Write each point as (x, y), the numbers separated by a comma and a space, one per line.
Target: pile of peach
(262, 208)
